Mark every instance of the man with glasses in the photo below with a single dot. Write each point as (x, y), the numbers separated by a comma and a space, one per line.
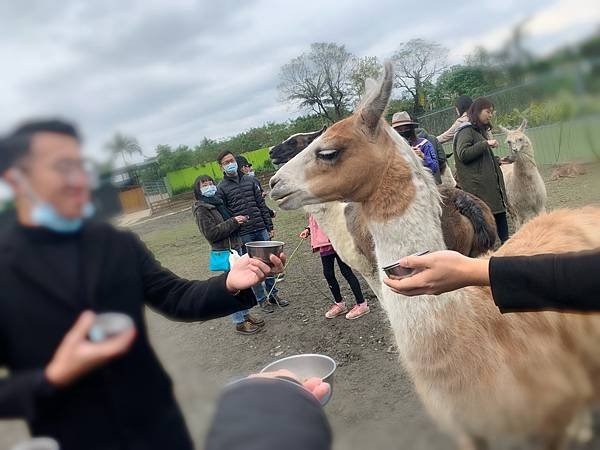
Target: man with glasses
(57, 270)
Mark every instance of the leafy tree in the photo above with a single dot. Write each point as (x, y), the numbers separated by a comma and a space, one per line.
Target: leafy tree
(123, 145)
(364, 68)
(473, 81)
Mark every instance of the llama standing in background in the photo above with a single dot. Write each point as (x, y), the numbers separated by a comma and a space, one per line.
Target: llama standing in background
(482, 375)
(524, 185)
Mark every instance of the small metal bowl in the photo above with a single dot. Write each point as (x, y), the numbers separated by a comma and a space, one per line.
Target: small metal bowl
(264, 249)
(397, 272)
(109, 324)
(305, 366)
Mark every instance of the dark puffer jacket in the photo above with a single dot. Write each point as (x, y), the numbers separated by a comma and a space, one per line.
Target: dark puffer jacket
(242, 197)
(221, 234)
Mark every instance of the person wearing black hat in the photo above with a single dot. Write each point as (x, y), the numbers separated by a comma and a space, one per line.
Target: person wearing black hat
(245, 165)
(59, 269)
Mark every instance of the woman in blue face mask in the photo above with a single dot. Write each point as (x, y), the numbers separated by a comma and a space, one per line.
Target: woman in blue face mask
(221, 230)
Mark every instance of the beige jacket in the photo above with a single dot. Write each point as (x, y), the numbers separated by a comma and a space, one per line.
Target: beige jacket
(448, 135)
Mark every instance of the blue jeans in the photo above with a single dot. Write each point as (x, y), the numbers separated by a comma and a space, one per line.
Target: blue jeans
(259, 290)
(239, 316)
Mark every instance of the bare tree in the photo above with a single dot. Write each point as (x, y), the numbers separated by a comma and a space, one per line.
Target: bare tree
(417, 62)
(320, 80)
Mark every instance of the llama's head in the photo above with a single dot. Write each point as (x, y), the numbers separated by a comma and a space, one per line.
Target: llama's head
(360, 159)
(282, 153)
(518, 142)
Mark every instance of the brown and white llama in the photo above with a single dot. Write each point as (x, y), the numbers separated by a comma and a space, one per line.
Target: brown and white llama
(467, 222)
(482, 375)
(525, 187)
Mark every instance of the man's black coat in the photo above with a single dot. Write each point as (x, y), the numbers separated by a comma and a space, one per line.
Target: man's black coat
(127, 404)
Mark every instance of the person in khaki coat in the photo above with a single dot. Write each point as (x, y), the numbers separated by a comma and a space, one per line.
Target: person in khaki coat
(462, 105)
(221, 230)
(477, 168)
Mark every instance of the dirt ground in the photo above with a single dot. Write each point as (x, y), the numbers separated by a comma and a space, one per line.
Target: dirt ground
(374, 404)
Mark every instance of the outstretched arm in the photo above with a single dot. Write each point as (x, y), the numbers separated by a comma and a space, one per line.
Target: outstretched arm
(519, 283)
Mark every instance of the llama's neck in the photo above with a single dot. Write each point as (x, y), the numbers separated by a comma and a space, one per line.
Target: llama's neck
(417, 229)
(415, 321)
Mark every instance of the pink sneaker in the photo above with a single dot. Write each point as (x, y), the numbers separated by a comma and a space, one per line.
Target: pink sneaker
(336, 310)
(358, 311)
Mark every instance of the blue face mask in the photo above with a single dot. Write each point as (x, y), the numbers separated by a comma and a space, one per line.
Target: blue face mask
(250, 174)
(44, 215)
(231, 168)
(208, 191)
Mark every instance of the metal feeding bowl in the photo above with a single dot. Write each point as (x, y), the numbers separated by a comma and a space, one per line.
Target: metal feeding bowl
(264, 249)
(109, 324)
(397, 272)
(305, 366)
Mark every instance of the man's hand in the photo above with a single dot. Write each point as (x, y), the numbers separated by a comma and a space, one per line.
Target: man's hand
(440, 272)
(493, 143)
(271, 234)
(305, 234)
(241, 219)
(315, 386)
(76, 355)
(248, 272)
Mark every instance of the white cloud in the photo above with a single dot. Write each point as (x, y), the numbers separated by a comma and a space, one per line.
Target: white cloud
(564, 15)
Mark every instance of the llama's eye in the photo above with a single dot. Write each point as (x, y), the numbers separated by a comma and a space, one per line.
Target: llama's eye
(328, 155)
(292, 142)
(519, 140)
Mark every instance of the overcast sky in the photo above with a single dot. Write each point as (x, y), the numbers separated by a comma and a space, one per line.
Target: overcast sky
(174, 71)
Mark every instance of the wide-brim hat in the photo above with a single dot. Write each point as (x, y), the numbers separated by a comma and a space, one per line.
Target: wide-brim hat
(402, 118)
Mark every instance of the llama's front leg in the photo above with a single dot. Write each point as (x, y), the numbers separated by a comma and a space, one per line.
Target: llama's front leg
(556, 441)
(466, 442)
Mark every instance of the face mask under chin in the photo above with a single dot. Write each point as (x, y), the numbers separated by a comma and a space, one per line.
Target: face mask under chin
(43, 214)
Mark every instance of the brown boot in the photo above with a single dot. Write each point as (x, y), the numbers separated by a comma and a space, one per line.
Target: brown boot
(246, 327)
(255, 320)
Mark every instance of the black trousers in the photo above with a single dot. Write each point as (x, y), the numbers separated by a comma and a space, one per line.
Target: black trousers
(502, 226)
(329, 272)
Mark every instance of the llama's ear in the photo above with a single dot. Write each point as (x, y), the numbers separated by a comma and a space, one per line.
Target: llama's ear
(523, 125)
(315, 135)
(376, 99)
(504, 130)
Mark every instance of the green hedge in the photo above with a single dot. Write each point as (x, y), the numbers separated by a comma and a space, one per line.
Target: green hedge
(183, 180)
